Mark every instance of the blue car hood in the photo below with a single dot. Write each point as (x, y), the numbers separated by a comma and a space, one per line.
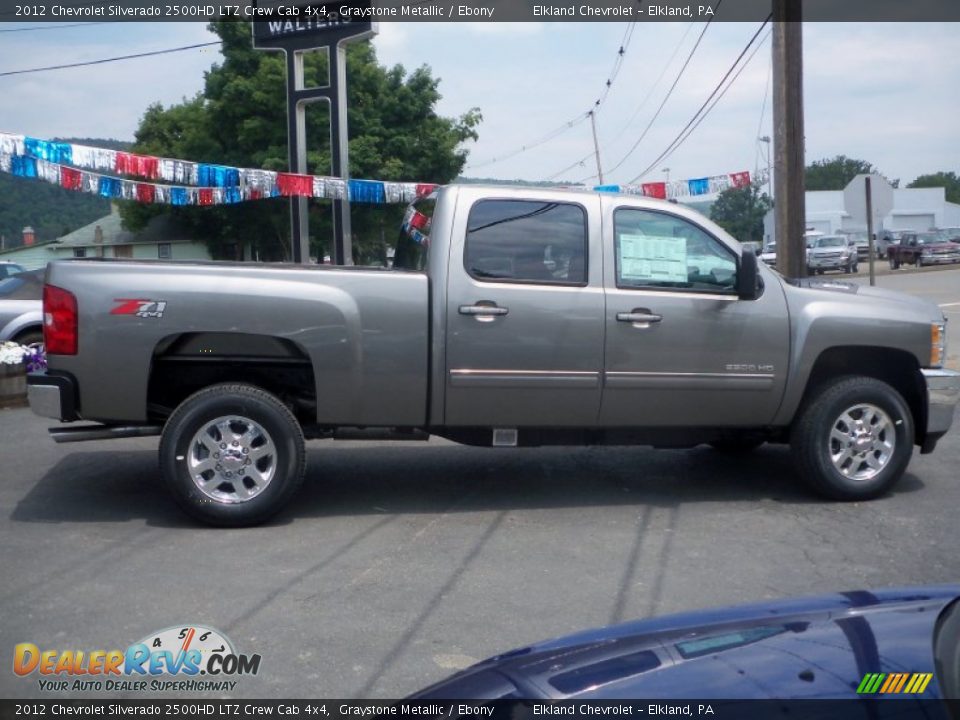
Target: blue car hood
(807, 648)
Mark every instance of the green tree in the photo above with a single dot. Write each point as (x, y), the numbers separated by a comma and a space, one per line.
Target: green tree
(740, 211)
(240, 119)
(948, 180)
(835, 173)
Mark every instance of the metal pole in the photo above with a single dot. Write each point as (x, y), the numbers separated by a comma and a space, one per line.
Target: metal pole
(340, 156)
(596, 146)
(789, 211)
(873, 277)
(296, 132)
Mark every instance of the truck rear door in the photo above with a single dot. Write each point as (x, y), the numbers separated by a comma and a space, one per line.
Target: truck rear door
(524, 310)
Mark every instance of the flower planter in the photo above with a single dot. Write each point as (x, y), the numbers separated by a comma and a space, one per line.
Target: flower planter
(13, 385)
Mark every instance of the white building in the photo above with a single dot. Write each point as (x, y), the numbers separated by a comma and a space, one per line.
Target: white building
(913, 209)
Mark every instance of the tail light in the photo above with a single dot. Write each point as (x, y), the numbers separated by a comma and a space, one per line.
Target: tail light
(59, 321)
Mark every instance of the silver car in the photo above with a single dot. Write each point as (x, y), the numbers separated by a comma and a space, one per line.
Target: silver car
(21, 307)
(831, 252)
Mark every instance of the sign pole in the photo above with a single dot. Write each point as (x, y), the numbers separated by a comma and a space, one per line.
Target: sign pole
(297, 149)
(326, 28)
(873, 277)
(340, 154)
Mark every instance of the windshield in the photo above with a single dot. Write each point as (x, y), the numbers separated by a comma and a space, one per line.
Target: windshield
(831, 242)
(928, 238)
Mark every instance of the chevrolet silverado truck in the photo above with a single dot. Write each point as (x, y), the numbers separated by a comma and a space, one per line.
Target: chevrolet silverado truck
(922, 248)
(511, 317)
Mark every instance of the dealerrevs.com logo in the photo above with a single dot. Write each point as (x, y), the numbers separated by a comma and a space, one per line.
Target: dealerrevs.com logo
(178, 659)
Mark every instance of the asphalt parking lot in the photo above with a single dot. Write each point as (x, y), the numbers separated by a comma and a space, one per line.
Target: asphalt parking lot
(400, 563)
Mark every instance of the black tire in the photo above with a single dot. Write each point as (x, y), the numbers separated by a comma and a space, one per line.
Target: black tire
(29, 337)
(736, 445)
(812, 441)
(259, 486)
(894, 264)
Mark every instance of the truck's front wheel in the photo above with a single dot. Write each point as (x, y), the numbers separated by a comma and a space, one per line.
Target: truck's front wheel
(853, 439)
(232, 455)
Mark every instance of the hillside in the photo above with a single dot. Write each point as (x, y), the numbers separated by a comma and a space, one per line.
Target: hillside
(48, 209)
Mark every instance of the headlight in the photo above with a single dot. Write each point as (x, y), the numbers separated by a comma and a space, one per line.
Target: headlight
(938, 344)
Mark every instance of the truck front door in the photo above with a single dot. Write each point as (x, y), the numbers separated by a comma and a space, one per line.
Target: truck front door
(681, 349)
(524, 312)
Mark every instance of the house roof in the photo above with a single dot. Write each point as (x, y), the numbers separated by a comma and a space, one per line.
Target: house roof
(162, 228)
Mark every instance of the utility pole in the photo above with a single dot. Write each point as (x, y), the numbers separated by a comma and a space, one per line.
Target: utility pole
(596, 145)
(789, 210)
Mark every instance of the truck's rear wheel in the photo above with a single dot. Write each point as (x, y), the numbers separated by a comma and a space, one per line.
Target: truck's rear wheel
(232, 455)
(853, 439)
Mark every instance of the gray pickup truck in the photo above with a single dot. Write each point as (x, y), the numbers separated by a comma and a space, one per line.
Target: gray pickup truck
(511, 317)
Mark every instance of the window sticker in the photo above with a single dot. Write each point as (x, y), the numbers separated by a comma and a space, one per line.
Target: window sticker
(653, 258)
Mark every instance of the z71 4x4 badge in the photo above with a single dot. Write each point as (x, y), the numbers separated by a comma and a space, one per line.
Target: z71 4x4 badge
(139, 307)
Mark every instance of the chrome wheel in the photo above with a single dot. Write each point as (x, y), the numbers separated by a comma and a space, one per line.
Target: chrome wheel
(232, 459)
(862, 442)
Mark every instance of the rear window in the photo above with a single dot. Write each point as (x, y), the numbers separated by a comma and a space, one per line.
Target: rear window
(414, 242)
(528, 241)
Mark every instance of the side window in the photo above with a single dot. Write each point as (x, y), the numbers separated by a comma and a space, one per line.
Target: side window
(659, 250)
(527, 241)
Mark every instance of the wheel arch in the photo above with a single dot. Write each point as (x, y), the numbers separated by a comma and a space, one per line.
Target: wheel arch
(898, 368)
(183, 363)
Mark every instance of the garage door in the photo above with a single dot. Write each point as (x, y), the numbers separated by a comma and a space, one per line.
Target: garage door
(913, 222)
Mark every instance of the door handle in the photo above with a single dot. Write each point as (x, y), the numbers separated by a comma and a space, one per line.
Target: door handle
(639, 317)
(483, 311)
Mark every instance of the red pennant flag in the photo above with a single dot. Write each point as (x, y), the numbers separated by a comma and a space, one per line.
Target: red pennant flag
(290, 184)
(424, 189)
(70, 178)
(146, 192)
(740, 179)
(655, 190)
(122, 163)
(205, 196)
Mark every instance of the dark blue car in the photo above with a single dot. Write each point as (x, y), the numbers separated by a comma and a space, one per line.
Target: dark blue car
(902, 643)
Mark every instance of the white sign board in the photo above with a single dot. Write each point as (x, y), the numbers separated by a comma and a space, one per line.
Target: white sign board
(653, 258)
(855, 200)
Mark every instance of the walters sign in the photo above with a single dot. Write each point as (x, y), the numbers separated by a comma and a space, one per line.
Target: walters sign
(287, 25)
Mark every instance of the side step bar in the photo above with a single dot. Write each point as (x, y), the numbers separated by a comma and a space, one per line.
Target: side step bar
(102, 432)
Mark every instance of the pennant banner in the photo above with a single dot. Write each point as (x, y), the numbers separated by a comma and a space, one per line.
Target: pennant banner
(686, 188)
(89, 169)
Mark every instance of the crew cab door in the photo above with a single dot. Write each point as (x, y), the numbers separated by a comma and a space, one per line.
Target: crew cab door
(681, 348)
(524, 311)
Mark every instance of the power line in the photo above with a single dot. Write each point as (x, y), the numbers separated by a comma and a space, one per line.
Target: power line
(669, 93)
(52, 27)
(109, 60)
(579, 118)
(700, 115)
(636, 112)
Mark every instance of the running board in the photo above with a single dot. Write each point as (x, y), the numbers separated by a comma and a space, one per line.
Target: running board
(386, 433)
(102, 432)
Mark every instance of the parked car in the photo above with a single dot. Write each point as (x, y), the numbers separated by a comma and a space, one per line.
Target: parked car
(840, 646)
(8, 268)
(831, 252)
(512, 316)
(861, 241)
(948, 234)
(922, 248)
(769, 254)
(21, 312)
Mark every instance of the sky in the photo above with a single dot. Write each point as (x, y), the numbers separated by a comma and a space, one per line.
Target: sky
(885, 93)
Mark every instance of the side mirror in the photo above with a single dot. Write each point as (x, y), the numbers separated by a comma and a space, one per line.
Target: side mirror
(747, 277)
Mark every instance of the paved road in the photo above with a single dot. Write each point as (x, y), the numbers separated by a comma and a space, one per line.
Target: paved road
(400, 563)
